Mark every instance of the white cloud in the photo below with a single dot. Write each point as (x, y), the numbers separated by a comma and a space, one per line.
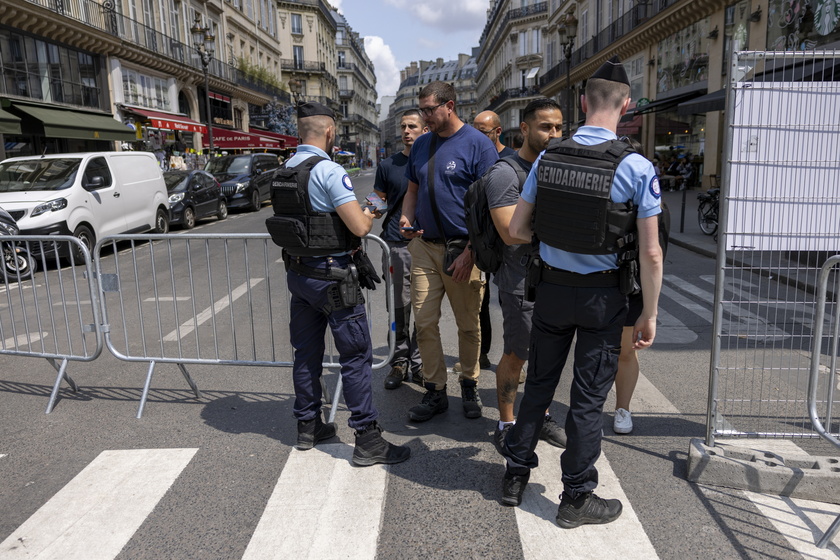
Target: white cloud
(337, 5)
(385, 65)
(446, 15)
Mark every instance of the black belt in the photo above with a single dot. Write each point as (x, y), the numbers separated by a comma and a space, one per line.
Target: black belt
(603, 279)
(441, 240)
(330, 273)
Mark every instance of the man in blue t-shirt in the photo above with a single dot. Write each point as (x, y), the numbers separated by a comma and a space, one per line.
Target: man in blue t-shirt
(441, 165)
(391, 184)
(579, 294)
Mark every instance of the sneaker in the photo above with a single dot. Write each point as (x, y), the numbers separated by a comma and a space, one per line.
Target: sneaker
(513, 486)
(484, 362)
(588, 509)
(552, 433)
(470, 399)
(371, 448)
(434, 402)
(623, 423)
(499, 437)
(395, 378)
(312, 431)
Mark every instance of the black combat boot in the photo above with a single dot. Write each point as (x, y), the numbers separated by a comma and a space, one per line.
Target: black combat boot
(371, 448)
(470, 399)
(434, 402)
(312, 431)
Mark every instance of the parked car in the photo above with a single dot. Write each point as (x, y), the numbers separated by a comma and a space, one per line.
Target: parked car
(245, 179)
(87, 195)
(194, 195)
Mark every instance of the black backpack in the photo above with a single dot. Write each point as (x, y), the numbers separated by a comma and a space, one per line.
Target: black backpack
(487, 244)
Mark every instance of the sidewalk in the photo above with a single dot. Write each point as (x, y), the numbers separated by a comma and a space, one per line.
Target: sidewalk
(690, 237)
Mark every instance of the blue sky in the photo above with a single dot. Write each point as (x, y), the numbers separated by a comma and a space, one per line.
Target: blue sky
(397, 32)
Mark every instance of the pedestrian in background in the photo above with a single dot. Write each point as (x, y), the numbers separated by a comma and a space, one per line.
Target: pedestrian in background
(391, 185)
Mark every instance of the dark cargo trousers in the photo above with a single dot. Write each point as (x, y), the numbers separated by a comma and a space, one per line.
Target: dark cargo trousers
(349, 326)
(596, 316)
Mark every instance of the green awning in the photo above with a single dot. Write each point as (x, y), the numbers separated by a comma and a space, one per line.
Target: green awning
(61, 123)
(9, 124)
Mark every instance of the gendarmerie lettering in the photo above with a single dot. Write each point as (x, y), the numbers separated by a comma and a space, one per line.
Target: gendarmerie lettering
(574, 178)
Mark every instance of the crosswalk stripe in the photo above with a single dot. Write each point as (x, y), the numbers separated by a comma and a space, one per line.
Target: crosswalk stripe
(541, 537)
(321, 506)
(97, 512)
(672, 330)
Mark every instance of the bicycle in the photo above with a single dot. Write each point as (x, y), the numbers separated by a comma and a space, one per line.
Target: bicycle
(707, 212)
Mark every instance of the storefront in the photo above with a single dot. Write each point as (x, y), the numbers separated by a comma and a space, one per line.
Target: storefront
(227, 140)
(159, 130)
(30, 127)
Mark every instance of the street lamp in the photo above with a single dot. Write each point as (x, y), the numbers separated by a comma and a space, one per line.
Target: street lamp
(568, 32)
(205, 46)
(295, 88)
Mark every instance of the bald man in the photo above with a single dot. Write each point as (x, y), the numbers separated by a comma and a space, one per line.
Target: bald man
(488, 123)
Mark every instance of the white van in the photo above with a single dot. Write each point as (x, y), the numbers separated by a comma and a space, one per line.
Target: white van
(87, 195)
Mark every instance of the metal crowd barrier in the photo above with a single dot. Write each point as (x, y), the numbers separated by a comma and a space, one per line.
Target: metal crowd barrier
(822, 423)
(53, 313)
(210, 299)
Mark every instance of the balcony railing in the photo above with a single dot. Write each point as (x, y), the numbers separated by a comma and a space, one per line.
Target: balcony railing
(302, 65)
(638, 15)
(513, 93)
(104, 18)
(352, 66)
(360, 119)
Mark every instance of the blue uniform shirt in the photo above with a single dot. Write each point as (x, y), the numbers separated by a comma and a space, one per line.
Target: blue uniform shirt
(329, 185)
(460, 160)
(635, 178)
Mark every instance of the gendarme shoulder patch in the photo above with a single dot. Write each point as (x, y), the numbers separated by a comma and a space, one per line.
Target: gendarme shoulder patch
(654, 187)
(346, 182)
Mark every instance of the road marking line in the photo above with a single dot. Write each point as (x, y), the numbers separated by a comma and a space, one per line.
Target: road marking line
(322, 507)
(3, 455)
(97, 512)
(541, 537)
(167, 298)
(22, 340)
(673, 330)
(189, 326)
(801, 522)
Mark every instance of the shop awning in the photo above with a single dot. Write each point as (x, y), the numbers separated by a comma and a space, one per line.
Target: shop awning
(169, 121)
(57, 122)
(9, 124)
(285, 140)
(715, 101)
(667, 103)
(227, 139)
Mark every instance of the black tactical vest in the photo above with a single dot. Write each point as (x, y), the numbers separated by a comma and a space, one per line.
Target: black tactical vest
(574, 210)
(295, 226)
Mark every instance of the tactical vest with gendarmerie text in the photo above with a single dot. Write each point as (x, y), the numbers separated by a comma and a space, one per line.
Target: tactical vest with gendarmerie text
(295, 226)
(574, 211)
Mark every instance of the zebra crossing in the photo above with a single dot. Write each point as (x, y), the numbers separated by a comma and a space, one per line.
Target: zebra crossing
(321, 503)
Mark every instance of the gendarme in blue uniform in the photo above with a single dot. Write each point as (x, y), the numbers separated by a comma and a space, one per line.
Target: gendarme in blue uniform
(329, 188)
(591, 308)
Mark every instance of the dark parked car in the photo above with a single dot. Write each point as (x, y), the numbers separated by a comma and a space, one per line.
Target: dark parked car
(194, 195)
(245, 179)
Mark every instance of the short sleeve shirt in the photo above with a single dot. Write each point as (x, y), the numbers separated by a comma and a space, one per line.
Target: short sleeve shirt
(502, 189)
(635, 178)
(391, 180)
(459, 161)
(329, 184)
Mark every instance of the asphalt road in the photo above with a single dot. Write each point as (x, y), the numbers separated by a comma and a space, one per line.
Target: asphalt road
(218, 478)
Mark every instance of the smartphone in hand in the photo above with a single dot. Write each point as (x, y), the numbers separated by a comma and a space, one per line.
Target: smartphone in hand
(378, 204)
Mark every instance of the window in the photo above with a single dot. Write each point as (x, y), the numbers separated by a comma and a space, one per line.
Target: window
(297, 24)
(342, 82)
(297, 51)
(342, 59)
(146, 91)
(97, 167)
(523, 43)
(344, 108)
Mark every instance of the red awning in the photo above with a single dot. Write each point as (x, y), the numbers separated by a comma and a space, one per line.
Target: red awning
(239, 140)
(285, 140)
(170, 121)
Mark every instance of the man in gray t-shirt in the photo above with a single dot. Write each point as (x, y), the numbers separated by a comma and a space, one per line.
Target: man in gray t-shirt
(542, 121)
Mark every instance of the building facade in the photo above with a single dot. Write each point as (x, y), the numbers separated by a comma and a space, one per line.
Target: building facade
(358, 131)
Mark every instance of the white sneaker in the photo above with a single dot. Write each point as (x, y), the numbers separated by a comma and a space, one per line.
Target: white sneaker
(623, 423)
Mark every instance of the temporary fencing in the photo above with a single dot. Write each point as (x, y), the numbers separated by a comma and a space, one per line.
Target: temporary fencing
(824, 369)
(779, 223)
(185, 299)
(54, 314)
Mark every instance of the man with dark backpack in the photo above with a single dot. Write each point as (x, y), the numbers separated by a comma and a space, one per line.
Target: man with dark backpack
(490, 204)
